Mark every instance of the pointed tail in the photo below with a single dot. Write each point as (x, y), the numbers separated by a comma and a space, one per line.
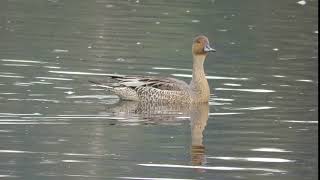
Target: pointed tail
(99, 84)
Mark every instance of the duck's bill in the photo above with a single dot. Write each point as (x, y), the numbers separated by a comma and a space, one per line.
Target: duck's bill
(207, 48)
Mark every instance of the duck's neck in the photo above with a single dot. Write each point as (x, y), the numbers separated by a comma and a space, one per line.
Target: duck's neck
(199, 83)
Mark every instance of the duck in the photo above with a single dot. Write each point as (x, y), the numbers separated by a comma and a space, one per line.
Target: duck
(165, 89)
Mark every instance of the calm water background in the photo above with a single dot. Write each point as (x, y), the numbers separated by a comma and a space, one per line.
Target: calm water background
(263, 119)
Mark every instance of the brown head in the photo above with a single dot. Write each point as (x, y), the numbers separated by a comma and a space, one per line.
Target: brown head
(201, 46)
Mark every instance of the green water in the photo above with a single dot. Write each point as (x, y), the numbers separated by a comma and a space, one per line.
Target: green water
(261, 121)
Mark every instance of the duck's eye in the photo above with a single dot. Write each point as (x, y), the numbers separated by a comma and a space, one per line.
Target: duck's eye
(198, 41)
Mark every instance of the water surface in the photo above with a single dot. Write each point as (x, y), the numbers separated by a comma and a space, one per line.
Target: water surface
(261, 121)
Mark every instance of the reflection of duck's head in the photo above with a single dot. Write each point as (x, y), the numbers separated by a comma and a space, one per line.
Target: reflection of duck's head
(197, 155)
(198, 121)
(201, 46)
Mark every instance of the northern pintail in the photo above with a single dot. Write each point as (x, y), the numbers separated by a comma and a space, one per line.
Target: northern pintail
(166, 90)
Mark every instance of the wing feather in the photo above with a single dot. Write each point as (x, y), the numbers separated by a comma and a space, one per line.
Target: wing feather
(134, 82)
(155, 82)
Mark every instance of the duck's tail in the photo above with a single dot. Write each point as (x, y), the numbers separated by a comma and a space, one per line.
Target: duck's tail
(125, 93)
(99, 84)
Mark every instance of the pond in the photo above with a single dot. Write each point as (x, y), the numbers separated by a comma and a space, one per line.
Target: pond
(261, 121)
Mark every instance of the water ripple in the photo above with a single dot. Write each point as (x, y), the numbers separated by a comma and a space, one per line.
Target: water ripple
(64, 88)
(60, 51)
(41, 82)
(169, 68)
(270, 150)
(212, 77)
(34, 123)
(231, 84)
(22, 84)
(78, 117)
(246, 90)
(17, 114)
(69, 175)
(11, 76)
(54, 78)
(9, 93)
(92, 97)
(81, 73)
(40, 100)
(304, 80)
(17, 65)
(253, 108)
(8, 176)
(73, 161)
(253, 159)
(218, 168)
(223, 114)
(303, 122)
(144, 178)
(223, 99)
(22, 61)
(54, 153)
(52, 67)
(88, 155)
(6, 131)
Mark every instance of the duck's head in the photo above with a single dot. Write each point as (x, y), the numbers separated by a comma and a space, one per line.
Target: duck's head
(201, 46)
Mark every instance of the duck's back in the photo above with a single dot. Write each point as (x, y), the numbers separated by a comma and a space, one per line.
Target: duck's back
(153, 89)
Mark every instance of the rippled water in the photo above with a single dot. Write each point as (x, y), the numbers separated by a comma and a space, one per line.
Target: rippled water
(261, 122)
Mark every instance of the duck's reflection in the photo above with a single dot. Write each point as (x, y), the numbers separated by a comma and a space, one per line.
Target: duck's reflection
(198, 121)
(171, 113)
